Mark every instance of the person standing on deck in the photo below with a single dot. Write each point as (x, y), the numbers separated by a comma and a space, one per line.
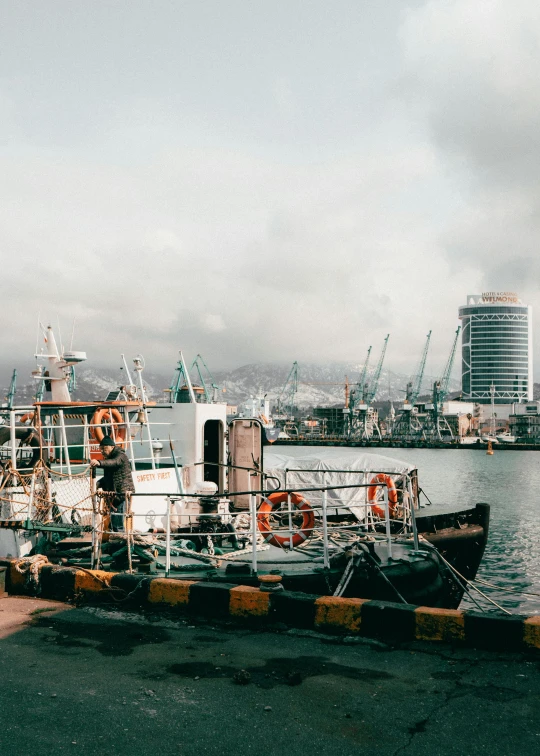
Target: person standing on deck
(117, 477)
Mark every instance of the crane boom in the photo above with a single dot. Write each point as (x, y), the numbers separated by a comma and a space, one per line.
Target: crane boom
(176, 382)
(362, 379)
(285, 402)
(213, 385)
(371, 389)
(12, 390)
(358, 390)
(419, 377)
(445, 378)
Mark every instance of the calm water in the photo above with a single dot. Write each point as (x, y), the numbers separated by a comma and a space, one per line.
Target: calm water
(510, 482)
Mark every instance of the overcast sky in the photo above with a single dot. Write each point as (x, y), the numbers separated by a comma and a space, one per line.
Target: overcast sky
(265, 181)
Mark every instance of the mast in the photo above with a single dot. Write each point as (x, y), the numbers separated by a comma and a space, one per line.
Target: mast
(55, 368)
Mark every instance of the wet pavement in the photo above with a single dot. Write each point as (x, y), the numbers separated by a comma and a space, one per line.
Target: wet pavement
(94, 681)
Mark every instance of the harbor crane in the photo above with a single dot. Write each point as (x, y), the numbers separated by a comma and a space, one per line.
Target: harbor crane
(12, 390)
(182, 386)
(363, 418)
(373, 385)
(10, 397)
(407, 425)
(437, 425)
(357, 393)
(286, 403)
(199, 364)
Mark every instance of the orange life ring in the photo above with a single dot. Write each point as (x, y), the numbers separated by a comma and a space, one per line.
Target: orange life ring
(263, 520)
(112, 416)
(374, 485)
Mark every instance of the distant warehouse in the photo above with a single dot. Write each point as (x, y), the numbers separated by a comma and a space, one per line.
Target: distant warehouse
(496, 348)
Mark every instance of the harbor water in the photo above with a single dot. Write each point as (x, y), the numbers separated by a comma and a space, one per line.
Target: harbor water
(510, 482)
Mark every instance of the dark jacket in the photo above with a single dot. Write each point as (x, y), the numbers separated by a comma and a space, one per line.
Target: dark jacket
(117, 472)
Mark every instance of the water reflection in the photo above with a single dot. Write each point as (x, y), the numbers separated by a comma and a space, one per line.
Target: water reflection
(510, 482)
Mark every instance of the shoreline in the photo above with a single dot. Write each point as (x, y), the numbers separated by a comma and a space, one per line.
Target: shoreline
(306, 441)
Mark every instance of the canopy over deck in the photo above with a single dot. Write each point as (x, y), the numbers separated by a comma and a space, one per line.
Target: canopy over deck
(330, 467)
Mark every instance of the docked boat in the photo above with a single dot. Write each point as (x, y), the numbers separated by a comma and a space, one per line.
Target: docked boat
(207, 506)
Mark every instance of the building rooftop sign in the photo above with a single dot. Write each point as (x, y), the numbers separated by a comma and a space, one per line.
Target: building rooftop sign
(501, 297)
(494, 297)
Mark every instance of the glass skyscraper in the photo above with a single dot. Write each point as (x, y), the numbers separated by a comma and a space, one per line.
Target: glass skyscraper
(496, 348)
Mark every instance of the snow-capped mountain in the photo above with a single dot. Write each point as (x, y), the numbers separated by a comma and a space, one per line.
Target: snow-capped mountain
(318, 384)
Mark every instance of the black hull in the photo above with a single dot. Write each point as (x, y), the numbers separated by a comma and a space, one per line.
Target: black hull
(460, 536)
(422, 581)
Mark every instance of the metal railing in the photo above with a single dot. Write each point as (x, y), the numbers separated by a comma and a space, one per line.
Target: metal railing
(53, 431)
(328, 529)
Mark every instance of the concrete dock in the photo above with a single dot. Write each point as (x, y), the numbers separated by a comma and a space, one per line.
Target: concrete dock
(96, 681)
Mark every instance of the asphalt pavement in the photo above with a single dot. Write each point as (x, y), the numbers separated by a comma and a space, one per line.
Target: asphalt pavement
(94, 681)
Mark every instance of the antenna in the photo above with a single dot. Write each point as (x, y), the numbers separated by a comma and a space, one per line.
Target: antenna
(60, 337)
(37, 332)
(127, 370)
(72, 335)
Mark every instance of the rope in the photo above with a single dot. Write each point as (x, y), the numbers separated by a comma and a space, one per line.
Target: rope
(506, 590)
(467, 583)
(398, 594)
(31, 567)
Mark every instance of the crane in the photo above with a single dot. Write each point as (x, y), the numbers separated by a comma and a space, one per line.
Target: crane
(12, 390)
(445, 378)
(363, 419)
(415, 386)
(407, 425)
(286, 399)
(210, 397)
(182, 382)
(371, 389)
(357, 393)
(40, 389)
(437, 425)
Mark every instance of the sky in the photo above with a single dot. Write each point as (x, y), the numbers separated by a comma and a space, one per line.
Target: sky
(265, 182)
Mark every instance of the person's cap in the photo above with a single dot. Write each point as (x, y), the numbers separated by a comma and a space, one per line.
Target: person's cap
(107, 441)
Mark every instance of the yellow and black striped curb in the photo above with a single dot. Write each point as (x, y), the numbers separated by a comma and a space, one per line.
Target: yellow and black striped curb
(381, 620)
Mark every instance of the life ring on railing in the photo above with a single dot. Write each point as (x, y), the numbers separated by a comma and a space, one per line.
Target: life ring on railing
(374, 485)
(270, 503)
(112, 416)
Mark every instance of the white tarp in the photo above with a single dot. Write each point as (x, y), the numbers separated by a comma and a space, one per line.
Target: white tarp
(329, 467)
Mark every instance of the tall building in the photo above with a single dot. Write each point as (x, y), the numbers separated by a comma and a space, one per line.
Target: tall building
(496, 348)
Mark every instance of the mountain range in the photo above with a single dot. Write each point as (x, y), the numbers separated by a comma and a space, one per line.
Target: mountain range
(319, 384)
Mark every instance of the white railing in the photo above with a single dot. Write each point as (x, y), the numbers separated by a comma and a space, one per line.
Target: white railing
(56, 437)
(328, 530)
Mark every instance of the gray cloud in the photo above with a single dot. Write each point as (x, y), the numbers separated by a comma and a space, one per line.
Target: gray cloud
(472, 69)
(268, 184)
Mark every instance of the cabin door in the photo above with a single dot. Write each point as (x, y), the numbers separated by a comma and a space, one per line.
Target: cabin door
(245, 451)
(213, 452)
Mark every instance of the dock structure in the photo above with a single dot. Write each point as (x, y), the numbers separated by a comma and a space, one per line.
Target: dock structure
(381, 620)
(192, 685)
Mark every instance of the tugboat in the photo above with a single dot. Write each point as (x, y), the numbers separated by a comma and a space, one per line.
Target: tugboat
(205, 506)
